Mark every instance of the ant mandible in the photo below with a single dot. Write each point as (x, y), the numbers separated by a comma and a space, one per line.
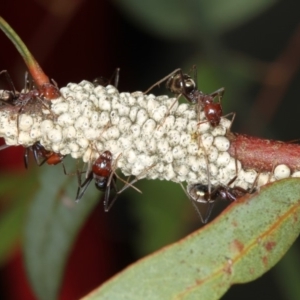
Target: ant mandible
(182, 84)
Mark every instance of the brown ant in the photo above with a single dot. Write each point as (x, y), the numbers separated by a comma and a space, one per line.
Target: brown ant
(208, 194)
(41, 155)
(103, 171)
(105, 180)
(14, 97)
(182, 84)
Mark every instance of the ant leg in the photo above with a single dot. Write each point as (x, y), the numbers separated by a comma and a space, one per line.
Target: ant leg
(36, 157)
(25, 157)
(128, 184)
(71, 173)
(208, 212)
(233, 117)
(104, 81)
(115, 76)
(233, 179)
(107, 205)
(28, 83)
(112, 181)
(162, 80)
(183, 92)
(254, 188)
(4, 147)
(210, 193)
(54, 82)
(9, 80)
(161, 123)
(137, 178)
(83, 185)
(194, 67)
(65, 170)
(220, 93)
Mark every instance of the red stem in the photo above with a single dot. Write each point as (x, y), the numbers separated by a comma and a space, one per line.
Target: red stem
(47, 89)
(263, 155)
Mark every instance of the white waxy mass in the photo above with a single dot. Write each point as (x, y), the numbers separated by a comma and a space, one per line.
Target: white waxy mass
(149, 136)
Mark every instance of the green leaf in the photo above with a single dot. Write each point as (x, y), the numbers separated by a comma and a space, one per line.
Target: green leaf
(53, 222)
(287, 274)
(191, 19)
(14, 207)
(244, 242)
(225, 15)
(155, 210)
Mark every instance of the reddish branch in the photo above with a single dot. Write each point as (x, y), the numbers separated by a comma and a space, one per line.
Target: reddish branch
(42, 81)
(263, 155)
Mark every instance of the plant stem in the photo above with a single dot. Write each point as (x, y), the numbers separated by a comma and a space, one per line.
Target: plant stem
(263, 155)
(42, 81)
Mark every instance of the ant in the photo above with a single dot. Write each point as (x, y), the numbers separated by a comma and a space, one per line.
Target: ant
(105, 82)
(202, 193)
(103, 171)
(41, 155)
(105, 179)
(208, 194)
(19, 100)
(15, 98)
(182, 84)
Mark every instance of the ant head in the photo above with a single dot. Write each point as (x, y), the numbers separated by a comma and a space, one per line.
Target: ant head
(181, 83)
(101, 182)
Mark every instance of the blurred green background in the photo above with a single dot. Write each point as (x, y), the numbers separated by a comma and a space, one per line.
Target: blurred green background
(252, 48)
